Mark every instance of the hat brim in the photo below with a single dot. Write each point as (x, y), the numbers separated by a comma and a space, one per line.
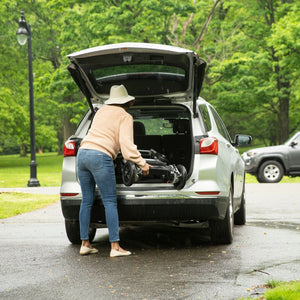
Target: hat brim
(121, 100)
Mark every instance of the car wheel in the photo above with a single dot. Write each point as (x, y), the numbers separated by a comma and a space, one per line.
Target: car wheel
(221, 231)
(258, 179)
(240, 215)
(270, 171)
(73, 232)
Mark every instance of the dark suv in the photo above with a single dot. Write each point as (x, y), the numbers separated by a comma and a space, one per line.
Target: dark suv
(201, 175)
(269, 164)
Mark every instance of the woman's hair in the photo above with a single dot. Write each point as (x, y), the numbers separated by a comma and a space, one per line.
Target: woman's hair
(125, 105)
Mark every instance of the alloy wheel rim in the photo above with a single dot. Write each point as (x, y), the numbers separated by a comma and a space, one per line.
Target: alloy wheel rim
(271, 172)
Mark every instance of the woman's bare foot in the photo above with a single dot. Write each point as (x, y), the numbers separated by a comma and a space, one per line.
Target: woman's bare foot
(86, 243)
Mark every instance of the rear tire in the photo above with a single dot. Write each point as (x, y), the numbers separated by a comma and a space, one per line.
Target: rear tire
(73, 232)
(221, 231)
(240, 215)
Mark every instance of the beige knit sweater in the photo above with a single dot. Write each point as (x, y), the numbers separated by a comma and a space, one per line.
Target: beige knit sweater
(112, 131)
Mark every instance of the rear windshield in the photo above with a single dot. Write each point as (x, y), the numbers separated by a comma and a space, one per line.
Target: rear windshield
(143, 74)
(143, 69)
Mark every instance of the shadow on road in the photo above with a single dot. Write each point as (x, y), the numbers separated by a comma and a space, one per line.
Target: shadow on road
(158, 237)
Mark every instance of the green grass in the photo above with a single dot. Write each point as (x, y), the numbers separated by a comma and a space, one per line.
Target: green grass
(286, 179)
(283, 291)
(278, 290)
(15, 170)
(12, 204)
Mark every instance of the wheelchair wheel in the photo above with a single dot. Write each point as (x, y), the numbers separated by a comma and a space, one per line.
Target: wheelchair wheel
(129, 173)
(182, 179)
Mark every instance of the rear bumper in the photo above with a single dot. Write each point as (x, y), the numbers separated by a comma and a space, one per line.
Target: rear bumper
(153, 209)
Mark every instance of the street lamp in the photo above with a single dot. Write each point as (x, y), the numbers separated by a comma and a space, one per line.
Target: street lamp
(24, 34)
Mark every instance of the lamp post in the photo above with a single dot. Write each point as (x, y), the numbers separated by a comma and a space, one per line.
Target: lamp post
(24, 34)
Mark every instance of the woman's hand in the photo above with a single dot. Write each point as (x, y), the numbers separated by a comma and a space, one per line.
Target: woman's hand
(145, 169)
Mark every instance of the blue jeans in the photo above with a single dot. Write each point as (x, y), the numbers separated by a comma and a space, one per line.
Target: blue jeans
(95, 167)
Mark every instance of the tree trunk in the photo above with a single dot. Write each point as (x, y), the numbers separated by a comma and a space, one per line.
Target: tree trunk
(283, 91)
(283, 115)
(60, 141)
(283, 84)
(67, 130)
(23, 150)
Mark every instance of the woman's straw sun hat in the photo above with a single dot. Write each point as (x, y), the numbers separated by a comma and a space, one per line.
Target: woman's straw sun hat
(118, 95)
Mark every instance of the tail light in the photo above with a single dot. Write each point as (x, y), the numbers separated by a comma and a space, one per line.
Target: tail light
(69, 148)
(209, 146)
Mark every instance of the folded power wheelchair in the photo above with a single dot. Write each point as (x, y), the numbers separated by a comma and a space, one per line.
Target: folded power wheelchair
(160, 172)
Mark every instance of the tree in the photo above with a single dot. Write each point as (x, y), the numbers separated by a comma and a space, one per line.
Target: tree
(14, 120)
(285, 40)
(253, 78)
(251, 47)
(94, 24)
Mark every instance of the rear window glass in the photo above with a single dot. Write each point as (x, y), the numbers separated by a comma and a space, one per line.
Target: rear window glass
(141, 73)
(205, 116)
(141, 79)
(136, 69)
(221, 126)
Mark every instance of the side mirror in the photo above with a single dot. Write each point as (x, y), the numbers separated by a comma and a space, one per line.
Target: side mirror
(293, 144)
(242, 140)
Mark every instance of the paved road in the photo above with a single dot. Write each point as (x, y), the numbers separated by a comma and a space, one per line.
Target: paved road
(37, 261)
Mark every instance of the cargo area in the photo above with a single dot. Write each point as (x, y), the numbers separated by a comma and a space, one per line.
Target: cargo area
(164, 130)
(162, 134)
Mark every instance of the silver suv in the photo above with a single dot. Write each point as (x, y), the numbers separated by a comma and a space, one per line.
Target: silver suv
(170, 120)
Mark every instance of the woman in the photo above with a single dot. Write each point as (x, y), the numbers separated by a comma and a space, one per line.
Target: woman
(111, 131)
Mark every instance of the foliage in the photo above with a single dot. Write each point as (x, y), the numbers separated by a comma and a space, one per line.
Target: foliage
(256, 78)
(252, 50)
